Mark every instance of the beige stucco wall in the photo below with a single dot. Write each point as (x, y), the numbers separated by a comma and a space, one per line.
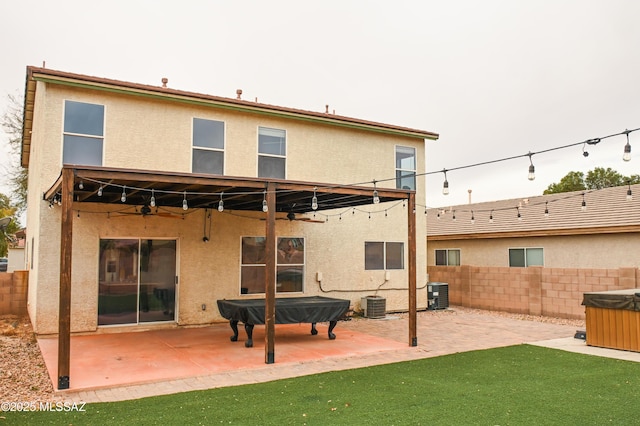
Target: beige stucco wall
(149, 134)
(576, 251)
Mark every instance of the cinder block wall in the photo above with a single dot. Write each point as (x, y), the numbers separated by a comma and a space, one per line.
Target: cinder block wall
(555, 292)
(13, 292)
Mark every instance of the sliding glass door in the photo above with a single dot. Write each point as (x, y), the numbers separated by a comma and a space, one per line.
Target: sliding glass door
(137, 281)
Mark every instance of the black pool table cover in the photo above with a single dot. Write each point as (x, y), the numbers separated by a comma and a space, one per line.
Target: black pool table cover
(289, 310)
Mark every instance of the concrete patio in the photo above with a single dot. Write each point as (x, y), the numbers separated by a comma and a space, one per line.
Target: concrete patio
(130, 365)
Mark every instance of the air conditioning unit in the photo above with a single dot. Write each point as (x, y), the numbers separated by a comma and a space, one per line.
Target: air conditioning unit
(437, 296)
(374, 306)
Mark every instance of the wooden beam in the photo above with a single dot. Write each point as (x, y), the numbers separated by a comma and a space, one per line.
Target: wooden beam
(270, 276)
(413, 338)
(64, 310)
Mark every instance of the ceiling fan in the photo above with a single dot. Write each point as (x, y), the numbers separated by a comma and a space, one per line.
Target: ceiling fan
(291, 216)
(145, 211)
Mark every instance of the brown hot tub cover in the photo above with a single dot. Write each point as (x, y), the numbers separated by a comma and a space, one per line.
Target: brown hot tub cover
(615, 299)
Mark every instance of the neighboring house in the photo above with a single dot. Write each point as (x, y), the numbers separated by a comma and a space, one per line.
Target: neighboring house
(147, 204)
(16, 253)
(537, 255)
(603, 234)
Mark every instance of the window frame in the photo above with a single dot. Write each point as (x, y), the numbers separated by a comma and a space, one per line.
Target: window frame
(525, 255)
(435, 254)
(267, 155)
(68, 136)
(195, 148)
(384, 260)
(281, 265)
(401, 172)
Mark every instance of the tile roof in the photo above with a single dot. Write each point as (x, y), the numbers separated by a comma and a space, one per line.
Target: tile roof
(98, 83)
(607, 211)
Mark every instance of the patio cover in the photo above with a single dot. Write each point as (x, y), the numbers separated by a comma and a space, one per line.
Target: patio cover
(87, 184)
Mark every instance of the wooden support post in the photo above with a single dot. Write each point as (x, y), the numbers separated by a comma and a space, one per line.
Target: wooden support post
(270, 276)
(64, 310)
(413, 338)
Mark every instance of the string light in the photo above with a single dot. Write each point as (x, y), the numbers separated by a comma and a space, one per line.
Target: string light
(627, 148)
(221, 203)
(532, 169)
(376, 198)
(491, 217)
(185, 206)
(265, 207)
(81, 185)
(546, 209)
(594, 141)
(473, 219)
(629, 193)
(445, 184)
(519, 215)
(100, 191)
(314, 200)
(584, 203)
(123, 198)
(152, 202)
(454, 216)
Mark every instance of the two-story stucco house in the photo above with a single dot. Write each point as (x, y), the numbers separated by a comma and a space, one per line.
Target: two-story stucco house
(148, 204)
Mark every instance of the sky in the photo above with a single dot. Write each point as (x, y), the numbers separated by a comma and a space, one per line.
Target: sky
(495, 79)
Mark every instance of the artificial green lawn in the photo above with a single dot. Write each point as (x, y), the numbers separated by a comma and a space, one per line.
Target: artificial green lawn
(516, 385)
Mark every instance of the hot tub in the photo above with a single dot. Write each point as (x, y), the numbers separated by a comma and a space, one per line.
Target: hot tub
(613, 319)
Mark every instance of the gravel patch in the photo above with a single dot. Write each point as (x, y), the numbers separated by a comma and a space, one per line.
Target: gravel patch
(23, 374)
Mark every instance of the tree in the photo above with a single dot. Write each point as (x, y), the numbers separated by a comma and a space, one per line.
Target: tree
(12, 121)
(597, 178)
(573, 181)
(7, 210)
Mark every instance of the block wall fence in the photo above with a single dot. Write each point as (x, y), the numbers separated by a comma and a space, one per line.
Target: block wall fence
(13, 292)
(553, 292)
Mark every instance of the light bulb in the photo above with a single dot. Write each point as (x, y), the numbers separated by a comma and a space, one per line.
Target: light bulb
(123, 198)
(221, 206)
(185, 206)
(81, 185)
(445, 187)
(627, 152)
(314, 203)
(152, 202)
(265, 208)
(376, 198)
(532, 172)
(629, 194)
(100, 191)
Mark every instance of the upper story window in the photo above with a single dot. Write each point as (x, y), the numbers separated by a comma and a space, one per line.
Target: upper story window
(272, 153)
(83, 133)
(383, 255)
(208, 146)
(522, 257)
(448, 257)
(405, 167)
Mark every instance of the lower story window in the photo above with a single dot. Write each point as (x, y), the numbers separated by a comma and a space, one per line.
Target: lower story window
(383, 255)
(523, 257)
(289, 265)
(448, 257)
